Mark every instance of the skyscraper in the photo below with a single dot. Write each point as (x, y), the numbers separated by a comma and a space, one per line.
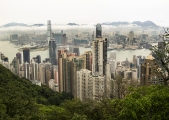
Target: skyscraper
(34, 70)
(26, 70)
(26, 55)
(98, 31)
(52, 52)
(99, 53)
(19, 57)
(131, 37)
(42, 73)
(49, 31)
(101, 75)
(60, 38)
(15, 66)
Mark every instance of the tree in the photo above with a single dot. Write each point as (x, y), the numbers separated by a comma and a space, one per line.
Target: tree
(120, 86)
(161, 59)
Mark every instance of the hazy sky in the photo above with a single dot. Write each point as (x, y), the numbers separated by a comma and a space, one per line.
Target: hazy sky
(84, 11)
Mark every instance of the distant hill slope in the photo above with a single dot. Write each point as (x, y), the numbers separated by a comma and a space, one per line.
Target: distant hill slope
(142, 24)
(38, 25)
(72, 24)
(116, 23)
(14, 24)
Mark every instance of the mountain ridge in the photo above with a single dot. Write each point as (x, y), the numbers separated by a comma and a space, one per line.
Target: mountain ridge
(118, 23)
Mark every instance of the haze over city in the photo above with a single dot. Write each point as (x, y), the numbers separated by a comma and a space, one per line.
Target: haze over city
(84, 59)
(83, 11)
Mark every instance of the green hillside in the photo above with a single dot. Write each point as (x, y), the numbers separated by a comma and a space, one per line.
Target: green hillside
(21, 100)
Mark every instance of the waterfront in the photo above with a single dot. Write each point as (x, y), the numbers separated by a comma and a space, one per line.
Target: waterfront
(10, 50)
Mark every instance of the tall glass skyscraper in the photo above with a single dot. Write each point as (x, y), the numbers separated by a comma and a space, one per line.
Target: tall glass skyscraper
(52, 52)
(26, 55)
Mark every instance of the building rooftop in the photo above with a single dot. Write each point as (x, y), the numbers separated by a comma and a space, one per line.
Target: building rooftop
(150, 57)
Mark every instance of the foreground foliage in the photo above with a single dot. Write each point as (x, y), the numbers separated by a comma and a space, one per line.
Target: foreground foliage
(20, 99)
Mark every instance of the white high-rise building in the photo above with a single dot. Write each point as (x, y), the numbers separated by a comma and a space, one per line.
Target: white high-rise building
(113, 65)
(21, 70)
(84, 84)
(98, 87)
(93, 87)
(27, 70)
(34, 70)
(42, 73)
(99, 53)
(6, 65)
(101, 72)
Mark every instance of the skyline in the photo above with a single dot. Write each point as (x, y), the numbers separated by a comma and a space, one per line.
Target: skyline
(83, 11)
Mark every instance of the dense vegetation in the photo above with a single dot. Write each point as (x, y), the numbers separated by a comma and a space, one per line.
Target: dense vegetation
(21, 100)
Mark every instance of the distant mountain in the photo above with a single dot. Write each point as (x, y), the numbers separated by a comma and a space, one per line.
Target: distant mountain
(38, 25)
(142, 24)
(14, 24)
(72, 24)
(145, 24)
(116, 23)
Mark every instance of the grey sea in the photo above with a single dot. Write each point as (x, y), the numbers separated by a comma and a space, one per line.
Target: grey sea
(10, 50)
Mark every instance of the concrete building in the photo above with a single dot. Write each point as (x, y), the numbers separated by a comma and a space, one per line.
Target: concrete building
(65, 70)
(60, 38)
(84, 87)
(78, 64)
(113, 65)
(61, 54)
(21, 70)
(131, 37)
(14, 38)
(27, 70)
(92, 87)
(19, 57)
(99, 53)
(87, 58)
(34, 71)
(55, 73)
(48, 72)
(15, 66)
(101, 75)
(53, 85)
(75, 50)
(148, 77)
(42, 73)
(5, 64)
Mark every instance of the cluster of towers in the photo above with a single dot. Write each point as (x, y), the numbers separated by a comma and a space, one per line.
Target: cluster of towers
(86, 76)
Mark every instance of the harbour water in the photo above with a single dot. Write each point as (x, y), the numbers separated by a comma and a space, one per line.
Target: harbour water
(10, 50)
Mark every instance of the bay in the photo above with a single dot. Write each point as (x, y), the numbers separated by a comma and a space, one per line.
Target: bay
(10, 50)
